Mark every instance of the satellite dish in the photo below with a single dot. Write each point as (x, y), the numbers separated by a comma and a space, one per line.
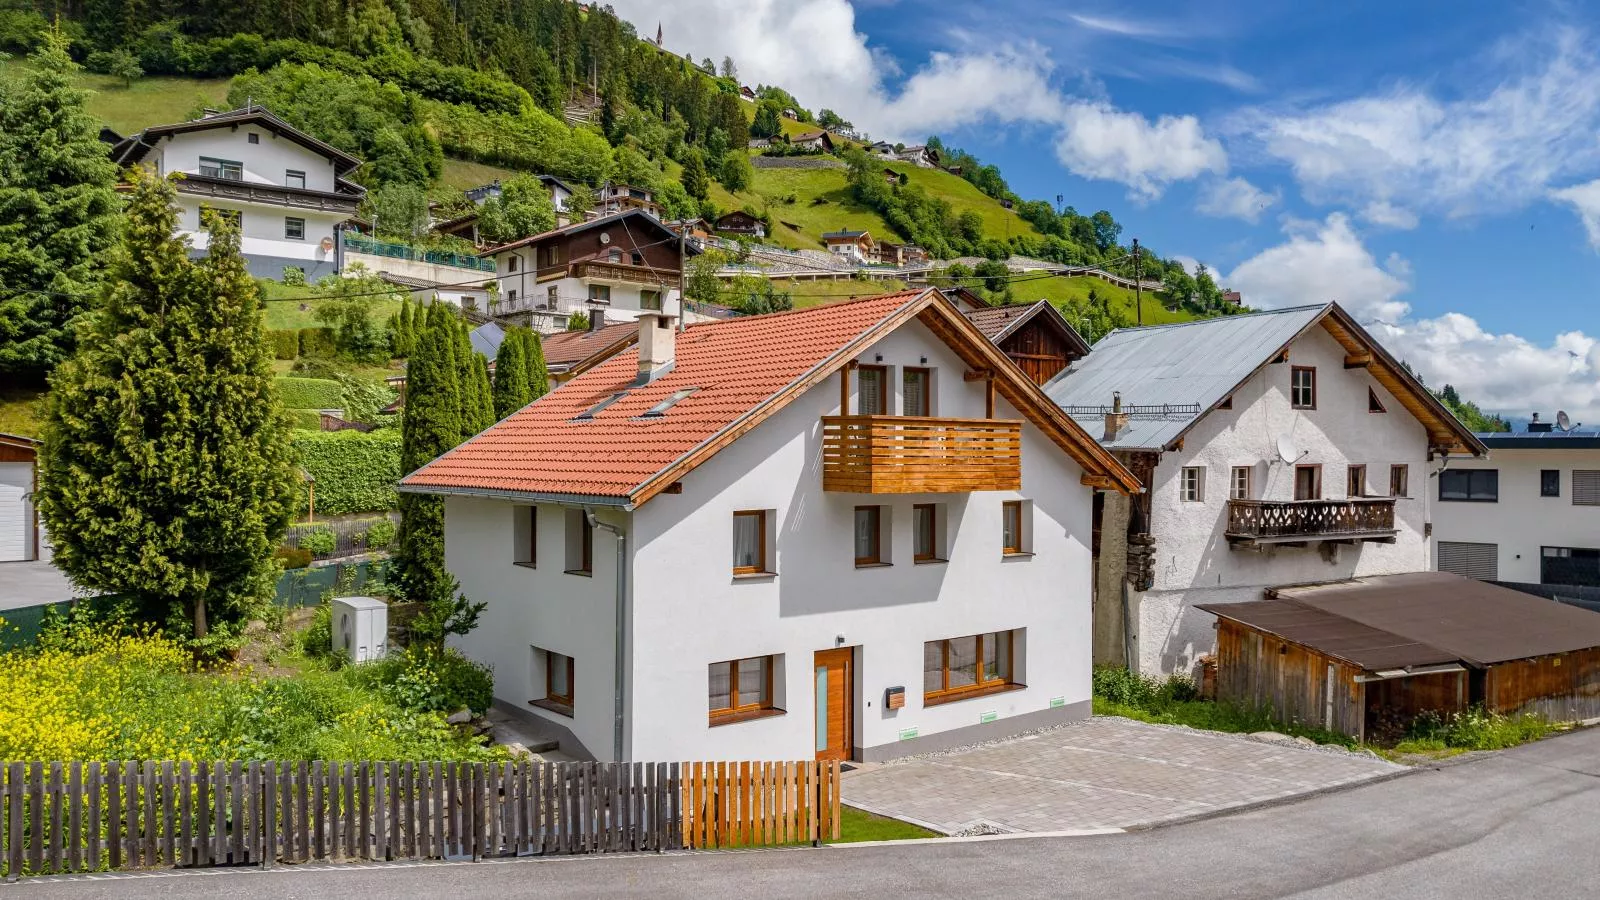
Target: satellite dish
(1563, 421)
(1287, 451)
(605, 237)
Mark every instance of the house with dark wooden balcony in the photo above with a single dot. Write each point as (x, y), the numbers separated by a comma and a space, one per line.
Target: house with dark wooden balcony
(855, 531)
(1276, 448)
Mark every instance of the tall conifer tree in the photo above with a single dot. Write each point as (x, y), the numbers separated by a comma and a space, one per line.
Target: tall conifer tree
(511, 391)
(538, 373)
(165, 472)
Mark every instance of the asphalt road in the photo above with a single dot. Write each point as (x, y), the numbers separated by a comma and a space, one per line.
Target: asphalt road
(1523, 823)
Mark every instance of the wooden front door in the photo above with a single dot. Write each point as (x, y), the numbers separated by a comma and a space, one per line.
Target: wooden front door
(835, 693)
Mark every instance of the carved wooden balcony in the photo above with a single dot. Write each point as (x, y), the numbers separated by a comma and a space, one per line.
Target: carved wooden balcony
(596, 270)
(916, 454)
(1253, 522)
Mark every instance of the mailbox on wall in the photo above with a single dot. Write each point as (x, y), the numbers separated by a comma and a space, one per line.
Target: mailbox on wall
(894, 698)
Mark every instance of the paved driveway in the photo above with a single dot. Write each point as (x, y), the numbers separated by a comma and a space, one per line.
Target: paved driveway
(1102, 773)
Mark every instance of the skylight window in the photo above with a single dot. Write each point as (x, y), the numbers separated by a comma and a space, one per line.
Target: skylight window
(660, 409)
(590, 412)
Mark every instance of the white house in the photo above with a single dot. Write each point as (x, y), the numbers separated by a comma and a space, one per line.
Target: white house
(689, 553)
(1277, 448)
(622, 265)
(19, 478)
(1529, 514)
(287, 189)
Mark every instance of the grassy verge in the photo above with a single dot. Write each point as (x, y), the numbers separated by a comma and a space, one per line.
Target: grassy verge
(462, 174)
(860, 825)
(1061, 291)
(281, 305)
(818, 293)
(1210, 716)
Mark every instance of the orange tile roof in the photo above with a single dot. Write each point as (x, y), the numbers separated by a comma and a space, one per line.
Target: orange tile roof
(568, 348)
(738, 365)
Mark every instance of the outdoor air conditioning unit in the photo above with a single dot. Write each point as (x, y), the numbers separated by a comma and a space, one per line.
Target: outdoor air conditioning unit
(360, 628)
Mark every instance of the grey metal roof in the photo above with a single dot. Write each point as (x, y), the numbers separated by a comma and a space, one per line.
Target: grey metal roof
(1172, 374)
(486, 338)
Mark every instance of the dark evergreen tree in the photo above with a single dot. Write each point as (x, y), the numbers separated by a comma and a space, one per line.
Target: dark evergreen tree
(694, 177)
(533, 354)
(431, 426)
(58, 212)
(511, 389)
(165, 471)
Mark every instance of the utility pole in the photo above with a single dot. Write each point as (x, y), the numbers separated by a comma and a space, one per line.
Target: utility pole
(1138, 284)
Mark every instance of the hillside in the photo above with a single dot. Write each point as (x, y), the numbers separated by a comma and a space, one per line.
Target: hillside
(148, 101)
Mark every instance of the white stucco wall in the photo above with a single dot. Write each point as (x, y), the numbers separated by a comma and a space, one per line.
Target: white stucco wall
(1521, 522)
(264, 163)
(262, 230)
(1193, 561)
(572, 294)
(688, 611)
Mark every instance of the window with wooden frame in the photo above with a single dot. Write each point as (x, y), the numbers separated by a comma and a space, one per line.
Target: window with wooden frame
(914, 400)
(750, 542)
(1013, 528)
(525, 534)
(741, 689)
(1308, 482)
(925, 543)
(1356, 482)
(1192, 484)
(650, 300)
(600, 293)
(1239, 482)
(1400, 481)
(1374, 404)
(869, 536)
(580, 544)
(872, 391)
(967, 666)
(1303, 387)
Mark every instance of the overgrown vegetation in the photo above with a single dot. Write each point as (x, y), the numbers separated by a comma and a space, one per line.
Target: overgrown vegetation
(351, 471)
(1474, 729)
(1176, 701)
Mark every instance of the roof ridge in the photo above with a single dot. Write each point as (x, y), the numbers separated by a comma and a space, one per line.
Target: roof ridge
(1247, 315)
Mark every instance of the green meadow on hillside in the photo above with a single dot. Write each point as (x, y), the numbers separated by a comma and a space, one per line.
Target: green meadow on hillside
(148, 101)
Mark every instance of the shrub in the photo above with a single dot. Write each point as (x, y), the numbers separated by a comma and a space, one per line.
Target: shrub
(317, 640)
(309, 393)
(318, 342)
(319, 541)
(1477, 729)
(428, 680)
(317, 367)
(353, 472)
(285, 342)
(293, 557)
(380, 534)
(294, 276)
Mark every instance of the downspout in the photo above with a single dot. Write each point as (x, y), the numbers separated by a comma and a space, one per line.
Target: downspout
(621, 629)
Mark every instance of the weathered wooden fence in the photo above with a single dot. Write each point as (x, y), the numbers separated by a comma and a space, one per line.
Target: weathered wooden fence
(60, 818)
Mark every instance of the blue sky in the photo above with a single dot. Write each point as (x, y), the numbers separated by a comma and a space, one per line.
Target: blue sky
(1434, 167)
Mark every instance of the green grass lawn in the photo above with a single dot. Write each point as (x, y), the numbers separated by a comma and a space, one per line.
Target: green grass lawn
(156, 100)
(818, 293)
(281, 303)
(19, 410)
(962, 195)
(822, 203)
(1061, 290)
(1211, 716)
(462, 174)
(859, 825)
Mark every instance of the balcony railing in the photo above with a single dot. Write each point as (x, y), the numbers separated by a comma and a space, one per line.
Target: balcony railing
(916, 454)
(361, 244)
(1277, 522)
(610, 271)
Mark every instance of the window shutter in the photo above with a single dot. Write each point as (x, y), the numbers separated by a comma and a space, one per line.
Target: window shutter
(1481, 561)
(1585, 487)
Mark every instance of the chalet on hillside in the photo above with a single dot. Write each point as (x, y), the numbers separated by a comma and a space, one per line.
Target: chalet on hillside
(852, 245)
(740, 222)
(813, 140)
(617, 198)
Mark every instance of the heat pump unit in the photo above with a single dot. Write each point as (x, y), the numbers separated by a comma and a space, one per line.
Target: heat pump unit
(360, 628)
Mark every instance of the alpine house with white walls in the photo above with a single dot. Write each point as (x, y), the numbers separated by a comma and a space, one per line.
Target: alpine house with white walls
(1276, 448)
(287, 190)
(855, 532)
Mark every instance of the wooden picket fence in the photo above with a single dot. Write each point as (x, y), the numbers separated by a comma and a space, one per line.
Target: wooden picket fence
(58, 818)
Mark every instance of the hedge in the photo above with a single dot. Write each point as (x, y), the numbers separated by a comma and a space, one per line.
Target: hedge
(317, 342)
(310, 393)
(285, 342)
(308, 419)
(353, 472)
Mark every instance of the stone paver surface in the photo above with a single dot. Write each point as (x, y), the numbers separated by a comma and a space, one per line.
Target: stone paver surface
(1100, 773)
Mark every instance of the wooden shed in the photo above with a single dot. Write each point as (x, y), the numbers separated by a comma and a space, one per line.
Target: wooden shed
(1033, 335)
(1364, 657)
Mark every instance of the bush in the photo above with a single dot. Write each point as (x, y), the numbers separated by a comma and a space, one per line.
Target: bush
(294, 276)
(285, 342)
(318, 342)
(380, 534)
(317, 367)
(317, 640)
(353, 472)
(1476, 729)
(319, 541)
(428, 680)
(293, 557)
(309, 393)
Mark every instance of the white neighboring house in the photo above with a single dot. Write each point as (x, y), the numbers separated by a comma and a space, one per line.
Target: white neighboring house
(19, 521)
(780, 593)
(1277, 448)
(1529, 514)
(288, 189)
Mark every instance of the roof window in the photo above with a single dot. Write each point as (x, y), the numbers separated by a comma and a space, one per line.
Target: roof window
(590, 412)
(660, 409)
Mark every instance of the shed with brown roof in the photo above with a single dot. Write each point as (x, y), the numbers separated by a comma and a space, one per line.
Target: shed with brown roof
(1365, 657)
(1033, 335)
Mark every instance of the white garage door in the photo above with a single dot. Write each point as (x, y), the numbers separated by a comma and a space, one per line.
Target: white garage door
(16, 513)
(1472, 560)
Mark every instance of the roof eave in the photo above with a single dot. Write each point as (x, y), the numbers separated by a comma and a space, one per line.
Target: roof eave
(623, 503)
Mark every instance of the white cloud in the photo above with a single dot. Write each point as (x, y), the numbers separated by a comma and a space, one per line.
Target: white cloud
(1585, 198)
(812, 49)
(1122, 27)
(1236, 198)
(1387, 215)
(1500, 372)
(1499, 145)
(1098, 141)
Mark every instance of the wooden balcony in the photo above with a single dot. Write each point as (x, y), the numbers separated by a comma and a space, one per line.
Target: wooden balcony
(623, 272)
(1253, 522)
(915, 455)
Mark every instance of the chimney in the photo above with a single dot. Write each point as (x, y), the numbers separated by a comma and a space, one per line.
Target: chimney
(1116, 420)
(597, 319)
(1537, 427)
(657, 346)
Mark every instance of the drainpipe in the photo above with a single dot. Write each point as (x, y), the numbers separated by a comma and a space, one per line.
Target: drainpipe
(621, 628)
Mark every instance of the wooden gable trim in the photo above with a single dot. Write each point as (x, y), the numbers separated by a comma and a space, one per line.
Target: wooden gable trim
(772, 405)
(1046, 312)
(1028, 398)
